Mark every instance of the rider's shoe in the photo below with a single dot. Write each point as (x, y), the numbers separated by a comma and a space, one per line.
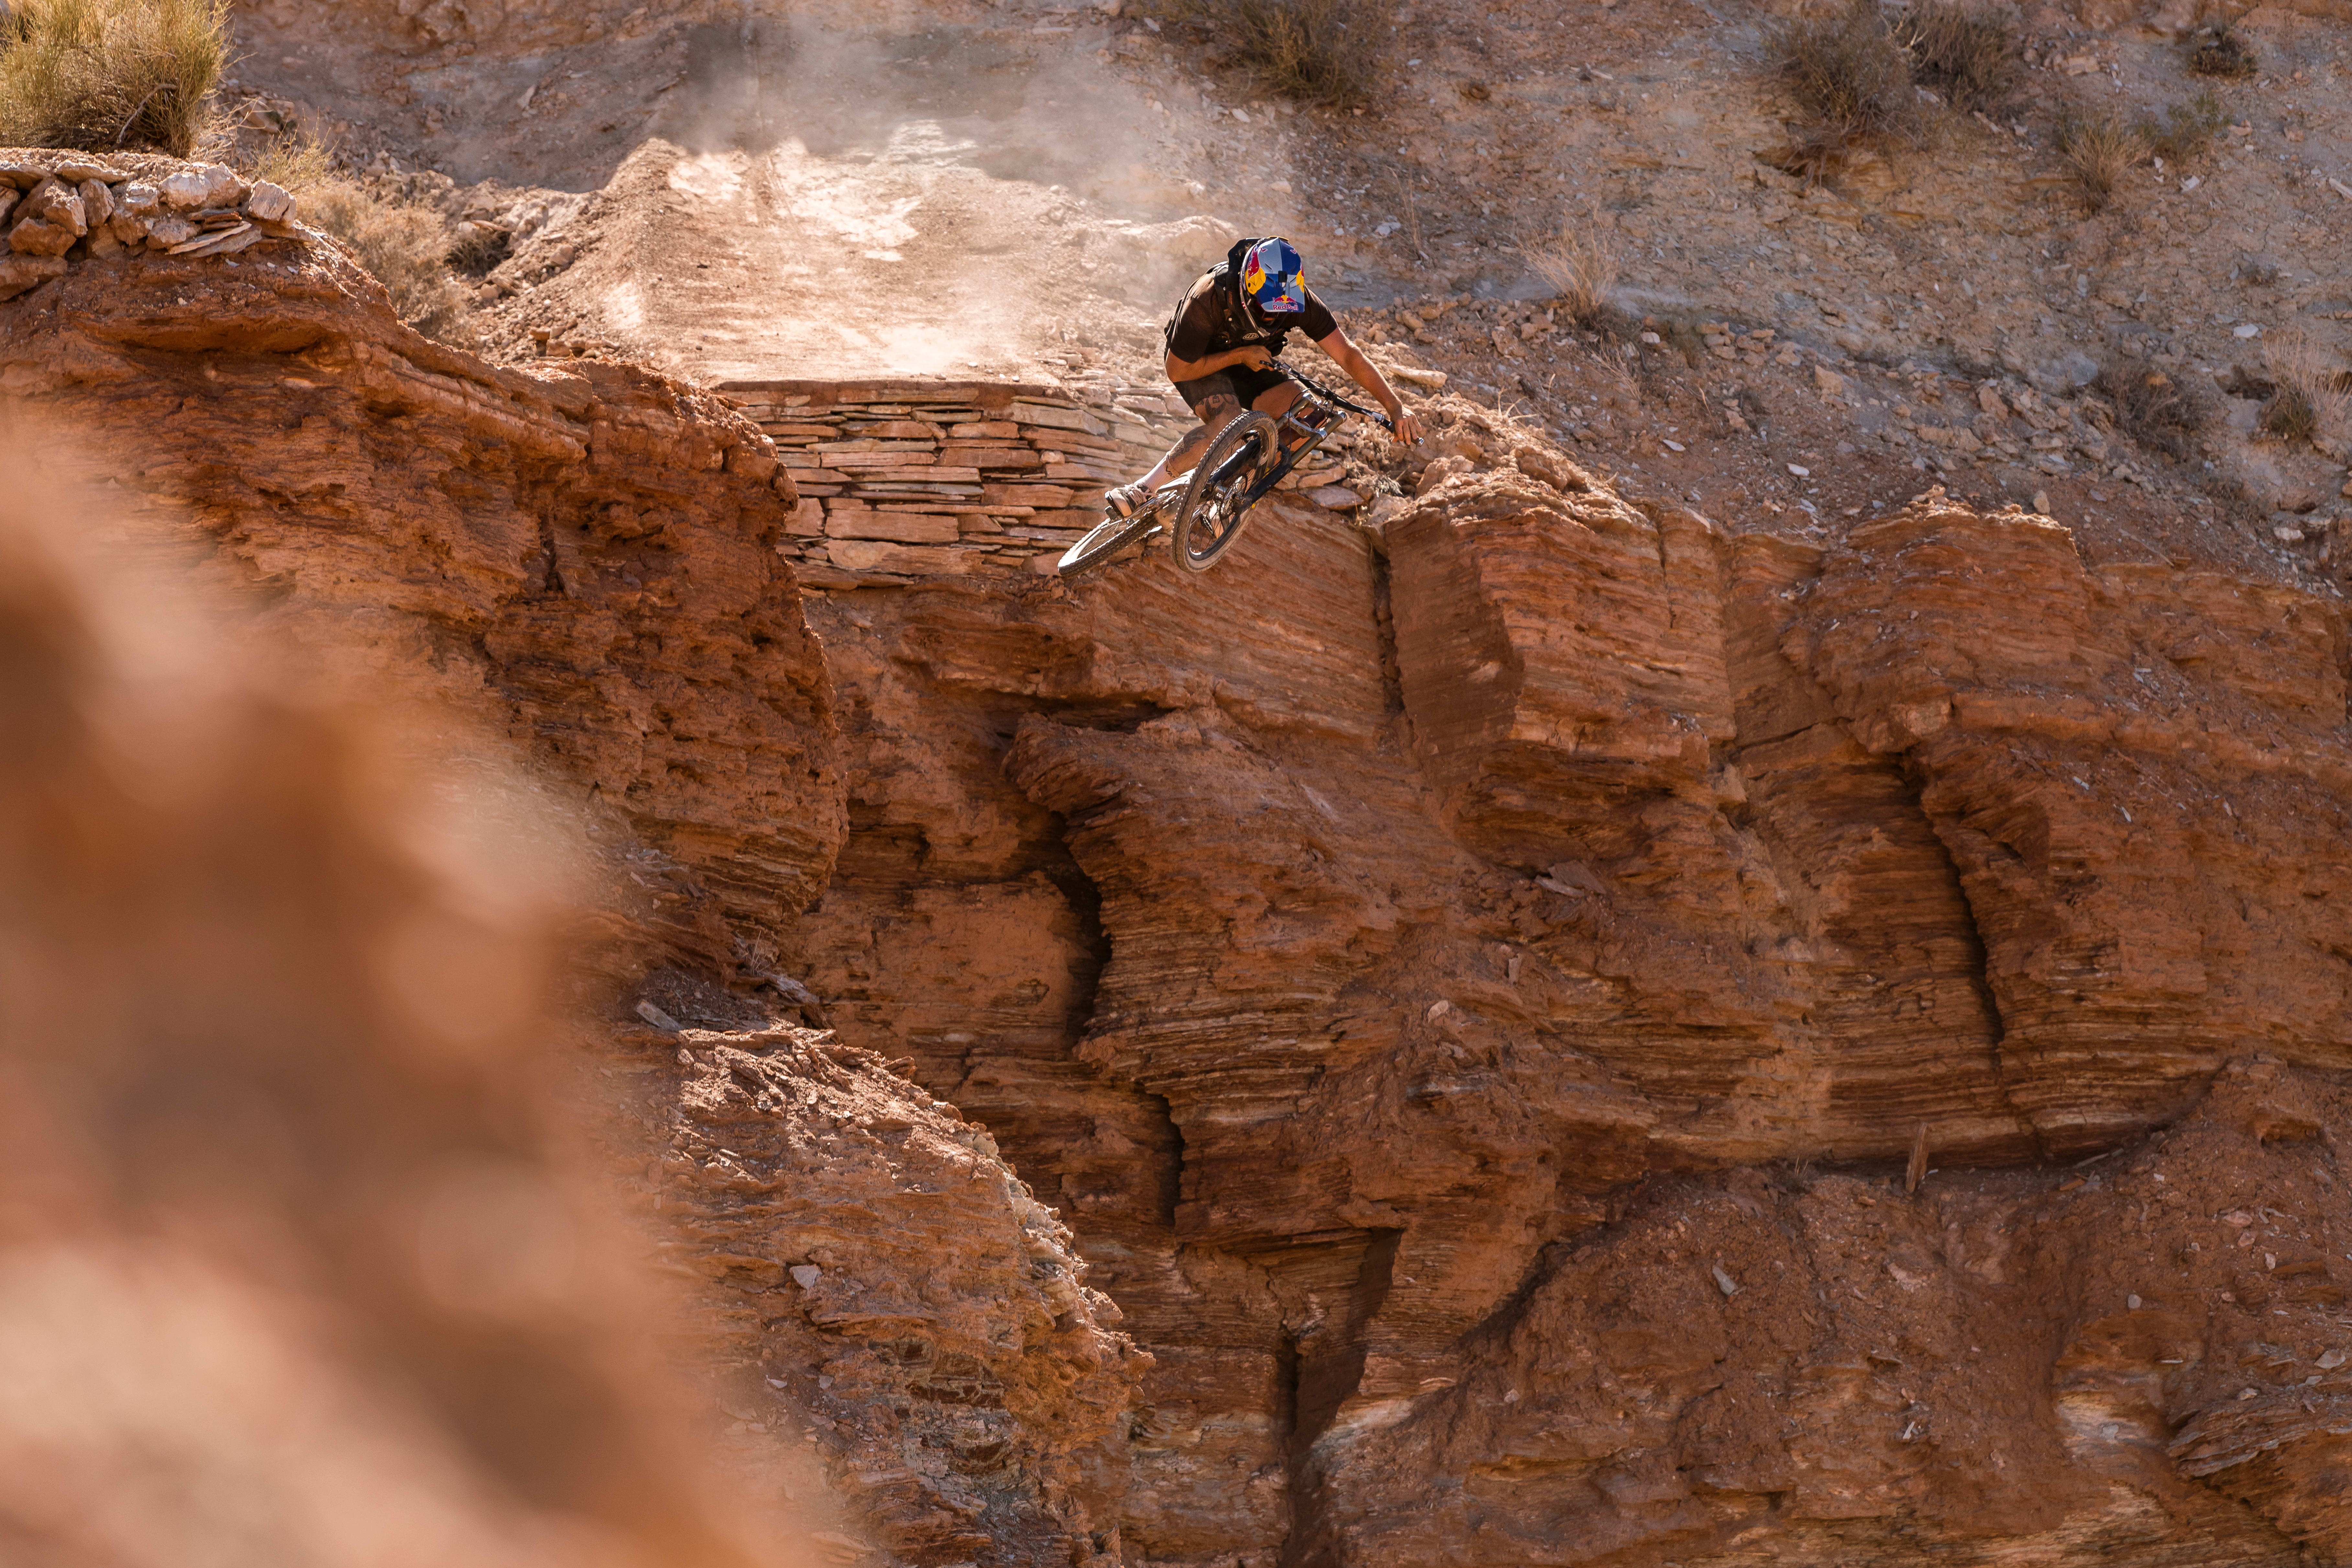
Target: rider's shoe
(1124, 501)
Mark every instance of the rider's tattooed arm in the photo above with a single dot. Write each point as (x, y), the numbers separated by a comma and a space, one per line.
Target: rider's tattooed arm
(1367, 375)
(1250, 356)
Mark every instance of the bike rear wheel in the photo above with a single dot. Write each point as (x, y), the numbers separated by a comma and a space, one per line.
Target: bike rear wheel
(1105, 540)
(1214, 509)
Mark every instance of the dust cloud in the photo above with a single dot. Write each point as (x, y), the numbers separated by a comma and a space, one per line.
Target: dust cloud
(908, 199)
(297, 1264)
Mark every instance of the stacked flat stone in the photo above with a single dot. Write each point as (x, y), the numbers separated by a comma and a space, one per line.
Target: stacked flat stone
(906, 478)
(58, 208)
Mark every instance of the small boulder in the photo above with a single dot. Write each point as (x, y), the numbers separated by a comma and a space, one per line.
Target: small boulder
(208, 185)
(165, 232)
(185, 191)
(270, 204)
(136, 206)
(97, 202)
(48, 221)
(1830, 382)
(53, 201)
(1550, 468)
(1438, 472)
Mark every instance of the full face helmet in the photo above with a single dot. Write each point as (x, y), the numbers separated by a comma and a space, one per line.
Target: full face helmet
(1273, 278)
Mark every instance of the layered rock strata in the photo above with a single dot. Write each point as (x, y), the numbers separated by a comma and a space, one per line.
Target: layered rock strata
(1354, 925)
(872, 1280)
(586, 561)
(584, 557)
(1472, 987)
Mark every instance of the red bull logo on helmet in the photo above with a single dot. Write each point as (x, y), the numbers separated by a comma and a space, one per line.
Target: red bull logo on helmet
(1274, 278)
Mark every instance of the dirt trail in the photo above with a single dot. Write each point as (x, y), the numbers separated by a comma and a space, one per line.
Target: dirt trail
(943, 203)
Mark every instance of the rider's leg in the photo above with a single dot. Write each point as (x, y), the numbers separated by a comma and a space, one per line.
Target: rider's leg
(1276, 401)
(1218, 411)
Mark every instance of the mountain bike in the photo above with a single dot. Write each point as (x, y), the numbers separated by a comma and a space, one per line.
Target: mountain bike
(1211, 505)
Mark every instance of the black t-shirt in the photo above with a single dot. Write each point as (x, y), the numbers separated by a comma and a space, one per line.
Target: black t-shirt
(1211, 320)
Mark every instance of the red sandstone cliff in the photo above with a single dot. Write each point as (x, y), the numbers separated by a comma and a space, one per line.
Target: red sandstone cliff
(1470, 989)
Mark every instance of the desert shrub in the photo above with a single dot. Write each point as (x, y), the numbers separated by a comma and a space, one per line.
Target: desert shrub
(103, 75)
(2221, 53)
(1847, 75)
(479, 248)
(2159, 412)
(2096, 151)
(2290, 416)
(1579, 266)
(2188, 129)
(1970, 54)
(2308, 397)
(404, 245)
(290, 162)
(2235, 502)
(1319, 51)
(2242, 383)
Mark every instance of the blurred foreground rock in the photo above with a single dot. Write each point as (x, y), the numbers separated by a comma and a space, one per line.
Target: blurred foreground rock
(295, 1258)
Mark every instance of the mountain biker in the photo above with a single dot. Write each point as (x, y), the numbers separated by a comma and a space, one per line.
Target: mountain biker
(1221, 346)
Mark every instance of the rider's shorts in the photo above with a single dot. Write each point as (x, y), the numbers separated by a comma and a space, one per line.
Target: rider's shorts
(1244, 385)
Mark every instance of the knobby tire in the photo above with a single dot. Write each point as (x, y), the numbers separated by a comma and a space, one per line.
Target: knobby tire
(1105, 540)
(1226, 473)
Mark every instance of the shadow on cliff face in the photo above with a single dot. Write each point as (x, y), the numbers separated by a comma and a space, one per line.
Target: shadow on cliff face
(294, 1265)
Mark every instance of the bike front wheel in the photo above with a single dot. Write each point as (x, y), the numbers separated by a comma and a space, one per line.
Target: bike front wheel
(1105, 540)
(1217, 502)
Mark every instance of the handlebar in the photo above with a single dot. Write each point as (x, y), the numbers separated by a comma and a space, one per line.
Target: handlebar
(1327, 396)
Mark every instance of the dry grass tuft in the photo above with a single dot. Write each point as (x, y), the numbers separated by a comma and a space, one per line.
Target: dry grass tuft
(2223, 54)
(2311, 399)
(2188, 129)
(1848, 76)
(2096, 152)
(2290, 416)
(2159, 413)
(1579, 266)
(290, 162)
(1970, 53)
(101, 76)
(405, 246)
(1317, 51)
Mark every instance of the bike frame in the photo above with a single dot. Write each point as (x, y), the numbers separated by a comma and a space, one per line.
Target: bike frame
(1315, 397)
(1312, 418)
